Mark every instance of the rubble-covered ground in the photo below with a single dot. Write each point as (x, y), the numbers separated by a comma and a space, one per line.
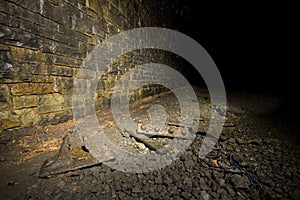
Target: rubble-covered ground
(256, 157)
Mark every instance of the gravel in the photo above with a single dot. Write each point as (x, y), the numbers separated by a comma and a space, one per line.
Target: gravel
(267, 160)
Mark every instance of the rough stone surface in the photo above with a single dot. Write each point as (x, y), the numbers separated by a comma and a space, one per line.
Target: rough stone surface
(25, 101)
(4, 97)
(43, 44)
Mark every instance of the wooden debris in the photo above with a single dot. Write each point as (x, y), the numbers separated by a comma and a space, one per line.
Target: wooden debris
(147, 141)
(68, 158)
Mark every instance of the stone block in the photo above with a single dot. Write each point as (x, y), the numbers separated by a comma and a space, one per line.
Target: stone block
(25, 101)
(67, 61)
(63, 85)
(5, 55)
(23, 54)
(4, 97)
(9, 123)
(27, 117)
(94, 5)
(62, 71)
(42, 79)
(9, 120)
(51, 103)
(18, 38)
(14, 73)
(53, 12)
(32, 88)
(81, 73)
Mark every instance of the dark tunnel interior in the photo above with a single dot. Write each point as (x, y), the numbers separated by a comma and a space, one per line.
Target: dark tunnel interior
(251, 46)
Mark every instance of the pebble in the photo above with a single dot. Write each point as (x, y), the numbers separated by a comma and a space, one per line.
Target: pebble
(125, 134)
(240, 181)
(296, 194)
(141, 146)
(143, 127)
(205, 195)
(221, 181)
(156, 129)
(11, 183)
(231, 140)
(25, 151)
(171, 130)
(2, 159)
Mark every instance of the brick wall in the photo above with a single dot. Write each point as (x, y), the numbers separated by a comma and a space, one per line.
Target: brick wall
(42, 45)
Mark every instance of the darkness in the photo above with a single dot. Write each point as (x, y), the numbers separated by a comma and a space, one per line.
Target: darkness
(250, 44)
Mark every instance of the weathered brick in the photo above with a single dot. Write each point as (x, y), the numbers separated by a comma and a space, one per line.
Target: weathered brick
(9, 123)
(74, 35)
(27, 117)
(63, 85)
(65, 61)
(94, 5)
(25, 101)
(81, 73)
(53, 12)
(40, 69)
(17, 9)
(62, 71)
(33, 6)
(32, 88)
(46, 42)
(53, 103)
(27, 55)
(18, 38)
(42, 79)
(9, 20)
(13, 73)
(5, 56)
(4, 97)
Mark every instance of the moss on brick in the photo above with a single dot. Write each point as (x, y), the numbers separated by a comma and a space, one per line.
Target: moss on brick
(8, 123)
(32, 88)
(25, 101)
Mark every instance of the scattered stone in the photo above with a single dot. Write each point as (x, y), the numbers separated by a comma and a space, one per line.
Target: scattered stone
(184, 132)
(2, 159)
(25, 150)
(141, 146)
(221, 181)
(239, 141)
(12, 182)
(143, 127)
(171, 130)
(156, 129)
(125, 134)
(205, 195)
(94, 190)
(71, 131)
(240, 181)
(231, 140)
(214, 162)
(136, 189)
(256, 141)
(274, 162)
(296, 194)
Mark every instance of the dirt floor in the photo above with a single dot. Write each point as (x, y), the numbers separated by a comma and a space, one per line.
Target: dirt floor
(256, 157)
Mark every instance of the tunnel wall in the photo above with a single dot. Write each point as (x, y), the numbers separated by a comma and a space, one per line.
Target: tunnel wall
(42, 45)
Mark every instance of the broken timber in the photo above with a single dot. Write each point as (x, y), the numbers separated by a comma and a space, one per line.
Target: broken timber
(68, 158)
(147, 141)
